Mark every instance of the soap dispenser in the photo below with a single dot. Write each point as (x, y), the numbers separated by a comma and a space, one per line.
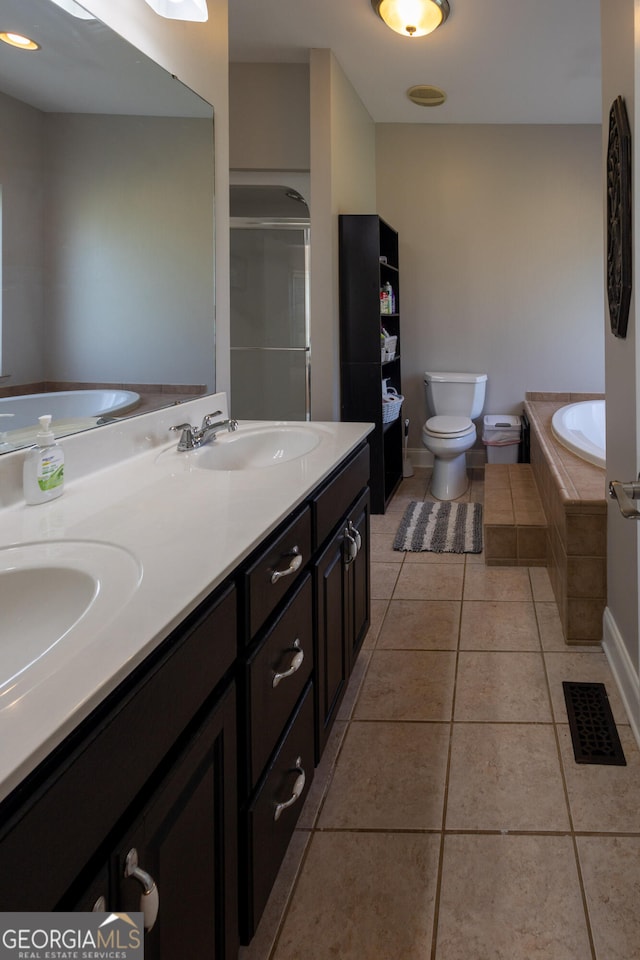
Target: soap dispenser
(43, 470)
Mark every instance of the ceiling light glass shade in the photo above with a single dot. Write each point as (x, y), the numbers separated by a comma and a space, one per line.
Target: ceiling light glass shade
(195, 10)
(412, 18)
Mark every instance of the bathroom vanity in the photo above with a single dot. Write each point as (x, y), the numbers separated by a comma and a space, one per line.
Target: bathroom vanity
(163, 768)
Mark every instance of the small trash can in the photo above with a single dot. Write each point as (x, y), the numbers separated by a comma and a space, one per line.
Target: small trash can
(501, 436)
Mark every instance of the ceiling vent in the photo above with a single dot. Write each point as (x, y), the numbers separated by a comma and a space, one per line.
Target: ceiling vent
(426, 96)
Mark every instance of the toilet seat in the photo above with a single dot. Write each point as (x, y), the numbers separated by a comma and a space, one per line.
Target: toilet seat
(448, 426)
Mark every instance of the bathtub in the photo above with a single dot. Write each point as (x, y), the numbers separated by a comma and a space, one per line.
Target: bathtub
(63, 405)
(580, 427)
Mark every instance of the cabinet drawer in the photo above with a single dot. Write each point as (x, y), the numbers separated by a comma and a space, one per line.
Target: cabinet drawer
(336, 497)
(276, 676)
(275, 570)
(269, 837)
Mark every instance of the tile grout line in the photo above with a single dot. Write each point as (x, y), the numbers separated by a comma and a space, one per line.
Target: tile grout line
(565, 788)
(445, 796)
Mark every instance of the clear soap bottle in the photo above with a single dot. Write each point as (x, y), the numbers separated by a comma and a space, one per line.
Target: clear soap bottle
(43, 470)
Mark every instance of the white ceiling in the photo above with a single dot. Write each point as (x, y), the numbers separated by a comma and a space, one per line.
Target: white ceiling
(499, 61)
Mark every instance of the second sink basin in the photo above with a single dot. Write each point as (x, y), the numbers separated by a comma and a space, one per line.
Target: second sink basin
(257, 447)
(252, 447)
(48, 591)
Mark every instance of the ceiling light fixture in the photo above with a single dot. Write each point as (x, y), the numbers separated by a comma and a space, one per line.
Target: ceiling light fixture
(412, 18)
(195, 10)
(17, 40)
(70, 6)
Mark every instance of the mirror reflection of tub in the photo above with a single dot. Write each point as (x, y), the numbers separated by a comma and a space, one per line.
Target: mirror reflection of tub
(70, 411)
(580, 427)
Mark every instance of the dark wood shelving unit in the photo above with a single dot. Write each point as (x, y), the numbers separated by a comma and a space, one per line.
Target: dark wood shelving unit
(368, 259)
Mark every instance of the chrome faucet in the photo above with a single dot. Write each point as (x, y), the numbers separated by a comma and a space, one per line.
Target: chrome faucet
(193, 437)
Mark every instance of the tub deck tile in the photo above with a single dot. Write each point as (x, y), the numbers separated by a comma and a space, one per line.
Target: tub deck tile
(574, 499)
(515, 526)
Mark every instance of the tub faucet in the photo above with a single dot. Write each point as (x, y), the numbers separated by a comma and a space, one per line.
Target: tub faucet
(193, 437)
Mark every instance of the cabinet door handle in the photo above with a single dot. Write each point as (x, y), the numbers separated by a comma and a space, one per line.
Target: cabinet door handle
(352, 547)
(150, 897)
(355, 533)
(296, 663)
(298, 787)
(294, 565)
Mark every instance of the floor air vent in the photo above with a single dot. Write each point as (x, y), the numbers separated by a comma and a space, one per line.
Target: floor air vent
(593, 730)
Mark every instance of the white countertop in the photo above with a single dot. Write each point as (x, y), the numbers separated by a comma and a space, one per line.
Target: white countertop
(186, 528)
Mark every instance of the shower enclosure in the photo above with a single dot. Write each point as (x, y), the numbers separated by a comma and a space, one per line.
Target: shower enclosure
(270, 349)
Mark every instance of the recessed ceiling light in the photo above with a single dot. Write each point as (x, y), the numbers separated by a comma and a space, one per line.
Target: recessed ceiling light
(426, 96)
(17, 40)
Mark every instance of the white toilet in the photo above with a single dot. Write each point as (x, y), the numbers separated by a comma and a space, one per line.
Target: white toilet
(453, 401)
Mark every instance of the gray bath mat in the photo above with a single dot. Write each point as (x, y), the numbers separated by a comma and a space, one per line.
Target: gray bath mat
(445, 527)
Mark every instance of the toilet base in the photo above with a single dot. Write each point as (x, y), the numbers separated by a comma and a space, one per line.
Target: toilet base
(449, 479)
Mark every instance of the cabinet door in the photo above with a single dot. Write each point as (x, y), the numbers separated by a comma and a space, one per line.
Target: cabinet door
(185, 840)
(359, 580)
(332, 664)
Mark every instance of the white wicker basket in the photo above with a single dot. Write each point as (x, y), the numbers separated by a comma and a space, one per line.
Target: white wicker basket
(390, 344)
(391, 405)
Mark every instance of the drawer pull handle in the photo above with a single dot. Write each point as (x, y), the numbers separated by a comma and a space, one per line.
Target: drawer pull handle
(294, 566)
(296, 663)
(355, 533)
(351, 545)
(298, 787)
(150, 897)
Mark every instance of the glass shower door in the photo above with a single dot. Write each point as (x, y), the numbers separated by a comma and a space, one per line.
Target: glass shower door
(270, 351)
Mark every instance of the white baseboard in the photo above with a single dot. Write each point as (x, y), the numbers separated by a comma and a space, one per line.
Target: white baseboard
(623, 670)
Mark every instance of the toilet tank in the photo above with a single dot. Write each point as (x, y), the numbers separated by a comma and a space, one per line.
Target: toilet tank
(455, 394)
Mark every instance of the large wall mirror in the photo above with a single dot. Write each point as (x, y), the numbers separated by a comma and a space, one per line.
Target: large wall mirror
(106, 207)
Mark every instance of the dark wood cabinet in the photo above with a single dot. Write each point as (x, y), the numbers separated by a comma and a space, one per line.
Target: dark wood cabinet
(368, 261)
(183, 840)
(274, 810)
(332, 656)
(276, 758)
(342, 612)
(199, 762)
(152, 769)
(294, 668)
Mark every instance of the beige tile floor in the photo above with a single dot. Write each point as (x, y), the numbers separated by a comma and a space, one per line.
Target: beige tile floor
(448, 819)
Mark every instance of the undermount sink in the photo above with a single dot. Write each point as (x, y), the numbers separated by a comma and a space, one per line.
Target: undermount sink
(49, 591)
(252, 448)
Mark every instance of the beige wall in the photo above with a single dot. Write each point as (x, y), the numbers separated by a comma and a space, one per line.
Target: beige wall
(342, 181)
(269, 116)
(500, 256)
(620, 23)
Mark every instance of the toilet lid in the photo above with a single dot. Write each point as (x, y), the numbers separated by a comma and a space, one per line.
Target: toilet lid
(449, 426)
